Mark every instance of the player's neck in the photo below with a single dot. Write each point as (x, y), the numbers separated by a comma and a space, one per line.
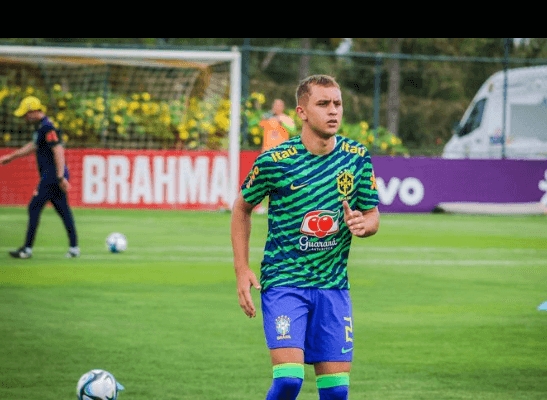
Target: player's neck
(318, 144)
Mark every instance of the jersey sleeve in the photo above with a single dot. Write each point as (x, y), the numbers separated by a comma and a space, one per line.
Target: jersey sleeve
(367, 190)
(51, 136)
(255, 186)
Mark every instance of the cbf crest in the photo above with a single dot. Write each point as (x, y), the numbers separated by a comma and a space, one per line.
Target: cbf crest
(282, 327)
(344, 183)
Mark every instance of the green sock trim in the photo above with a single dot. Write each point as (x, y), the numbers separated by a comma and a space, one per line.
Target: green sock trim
(332, 380)
(288, 370)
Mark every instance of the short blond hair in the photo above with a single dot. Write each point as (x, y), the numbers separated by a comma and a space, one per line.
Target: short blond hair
(303, 89)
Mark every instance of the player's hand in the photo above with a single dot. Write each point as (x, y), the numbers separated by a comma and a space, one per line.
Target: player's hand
(245, 281)
(5, 159)
(64, 185)
(354, 220)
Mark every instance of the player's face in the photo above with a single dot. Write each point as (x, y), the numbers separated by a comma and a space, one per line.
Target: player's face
(32, 116)
(323, 111)
(278, 107)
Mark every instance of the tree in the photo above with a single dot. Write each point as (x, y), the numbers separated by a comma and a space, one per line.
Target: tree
(305, 59)
(394, 76)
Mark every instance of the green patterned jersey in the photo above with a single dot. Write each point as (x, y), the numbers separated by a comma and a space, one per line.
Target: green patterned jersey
(308, 243)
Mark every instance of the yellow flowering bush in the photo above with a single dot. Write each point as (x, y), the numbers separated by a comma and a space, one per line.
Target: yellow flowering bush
(93, 118)
(253, 113)
(379, 141)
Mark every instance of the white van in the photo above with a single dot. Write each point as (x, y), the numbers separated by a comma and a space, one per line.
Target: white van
(479, 133)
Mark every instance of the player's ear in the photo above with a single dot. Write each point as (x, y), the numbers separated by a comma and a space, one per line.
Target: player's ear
(301, 113)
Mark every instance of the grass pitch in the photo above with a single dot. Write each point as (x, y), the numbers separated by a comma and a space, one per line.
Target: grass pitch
(445, 307)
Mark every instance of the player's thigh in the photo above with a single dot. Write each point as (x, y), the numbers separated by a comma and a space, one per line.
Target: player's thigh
(40, 196)
(330, 328)
(285, 355)
(59, 199)
(285, 317)
(330, 367)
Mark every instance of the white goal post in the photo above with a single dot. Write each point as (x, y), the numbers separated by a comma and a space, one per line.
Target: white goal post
(136, 56)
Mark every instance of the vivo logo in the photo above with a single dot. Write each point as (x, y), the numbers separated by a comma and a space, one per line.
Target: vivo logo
(410, 190)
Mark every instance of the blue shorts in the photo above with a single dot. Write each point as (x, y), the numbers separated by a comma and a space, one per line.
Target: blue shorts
(318, 321)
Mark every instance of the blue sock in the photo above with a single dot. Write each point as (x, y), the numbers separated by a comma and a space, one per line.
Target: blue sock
(287, 381)
(333, 386)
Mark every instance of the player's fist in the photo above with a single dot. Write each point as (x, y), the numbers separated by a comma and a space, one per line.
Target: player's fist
(354, 220)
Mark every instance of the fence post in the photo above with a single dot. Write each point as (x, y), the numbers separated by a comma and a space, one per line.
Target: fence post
(505, 63)
(245, 62)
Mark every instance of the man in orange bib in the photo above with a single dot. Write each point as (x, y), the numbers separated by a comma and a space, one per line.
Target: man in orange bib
(277, 126)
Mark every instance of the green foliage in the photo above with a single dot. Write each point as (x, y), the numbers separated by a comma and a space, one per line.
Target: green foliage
(444, 308)
(379, 141)
(87, 119)
(92, 118)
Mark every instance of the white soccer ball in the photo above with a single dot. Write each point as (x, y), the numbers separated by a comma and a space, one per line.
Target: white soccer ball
(98, 384)
(116, 242)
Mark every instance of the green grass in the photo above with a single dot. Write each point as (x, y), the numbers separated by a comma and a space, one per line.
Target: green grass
(445, 307)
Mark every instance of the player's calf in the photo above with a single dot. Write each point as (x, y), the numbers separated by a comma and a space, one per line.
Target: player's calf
(333, 386)
(287, 381)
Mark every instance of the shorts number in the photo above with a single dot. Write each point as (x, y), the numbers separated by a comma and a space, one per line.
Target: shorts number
(349, 329)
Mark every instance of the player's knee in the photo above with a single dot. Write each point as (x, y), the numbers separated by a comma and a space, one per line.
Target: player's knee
(34, 206)
(286, 388)
(287, 381)
(333, 386)
(334, 393)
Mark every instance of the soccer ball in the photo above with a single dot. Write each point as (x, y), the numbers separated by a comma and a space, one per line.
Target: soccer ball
(116, 242)
(98, 384)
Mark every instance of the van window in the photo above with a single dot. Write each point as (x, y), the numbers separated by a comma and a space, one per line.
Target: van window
(474, 119)
(529, 121)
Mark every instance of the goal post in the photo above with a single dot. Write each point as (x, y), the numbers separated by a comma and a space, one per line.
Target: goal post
(129, 98)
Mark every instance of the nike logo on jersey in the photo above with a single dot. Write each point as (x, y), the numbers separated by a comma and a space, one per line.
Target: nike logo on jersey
(296, 187)
(344, 350)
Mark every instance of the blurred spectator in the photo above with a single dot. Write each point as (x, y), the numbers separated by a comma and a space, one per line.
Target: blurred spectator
(277, 125)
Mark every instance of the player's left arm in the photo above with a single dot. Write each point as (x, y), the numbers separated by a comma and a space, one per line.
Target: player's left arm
(361, 223)
(21, 152)
(240, 235)
(59, 157)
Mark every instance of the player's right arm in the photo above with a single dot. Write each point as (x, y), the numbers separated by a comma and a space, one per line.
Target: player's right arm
(240, 230)
(21, 152)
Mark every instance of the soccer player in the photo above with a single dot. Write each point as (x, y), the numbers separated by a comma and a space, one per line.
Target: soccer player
(322, 192)
(53, 172)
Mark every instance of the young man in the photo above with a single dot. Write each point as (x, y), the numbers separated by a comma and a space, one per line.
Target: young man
(322, 191)
(53, 185)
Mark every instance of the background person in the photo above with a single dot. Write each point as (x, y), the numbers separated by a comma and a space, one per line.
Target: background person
(322, 193)
(53, 185)
(277, 125)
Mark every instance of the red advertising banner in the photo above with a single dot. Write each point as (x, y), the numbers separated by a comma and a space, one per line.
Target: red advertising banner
(132, 178)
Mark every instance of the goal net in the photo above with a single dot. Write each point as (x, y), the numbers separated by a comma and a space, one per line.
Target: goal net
(126, 98)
